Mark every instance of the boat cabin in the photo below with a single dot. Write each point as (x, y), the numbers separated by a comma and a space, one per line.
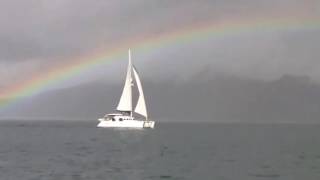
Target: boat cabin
(117, 117)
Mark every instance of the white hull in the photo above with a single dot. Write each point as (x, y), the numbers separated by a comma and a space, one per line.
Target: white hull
(125, 124)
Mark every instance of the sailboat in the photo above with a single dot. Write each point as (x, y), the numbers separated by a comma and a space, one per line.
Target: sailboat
(124, 117)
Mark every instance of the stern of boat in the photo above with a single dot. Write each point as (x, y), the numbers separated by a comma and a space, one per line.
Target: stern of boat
(148, 124)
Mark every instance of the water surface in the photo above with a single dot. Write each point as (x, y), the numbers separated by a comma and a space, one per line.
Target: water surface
(79, 151)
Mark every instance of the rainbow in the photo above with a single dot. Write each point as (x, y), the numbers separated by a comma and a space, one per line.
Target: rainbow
(52, 77)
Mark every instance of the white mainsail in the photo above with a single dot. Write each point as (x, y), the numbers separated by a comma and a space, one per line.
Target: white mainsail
(141, 104)
(125, 103)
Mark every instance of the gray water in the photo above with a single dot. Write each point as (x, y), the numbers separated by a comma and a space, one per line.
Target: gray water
(79, 151)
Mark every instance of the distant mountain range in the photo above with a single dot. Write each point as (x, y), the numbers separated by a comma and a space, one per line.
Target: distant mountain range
(204, 97)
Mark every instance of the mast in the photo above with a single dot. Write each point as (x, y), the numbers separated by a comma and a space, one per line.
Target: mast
(131, 83)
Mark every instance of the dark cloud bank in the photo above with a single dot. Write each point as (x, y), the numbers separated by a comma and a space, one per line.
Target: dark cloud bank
(204, 97)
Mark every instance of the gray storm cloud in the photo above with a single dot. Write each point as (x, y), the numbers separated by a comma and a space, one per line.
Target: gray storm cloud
(53, 30)
(220, 76)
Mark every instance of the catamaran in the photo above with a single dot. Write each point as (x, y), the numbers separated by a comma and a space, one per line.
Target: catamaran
(124, 117)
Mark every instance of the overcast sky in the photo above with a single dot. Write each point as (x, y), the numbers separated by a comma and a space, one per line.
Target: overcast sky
(36, 35)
